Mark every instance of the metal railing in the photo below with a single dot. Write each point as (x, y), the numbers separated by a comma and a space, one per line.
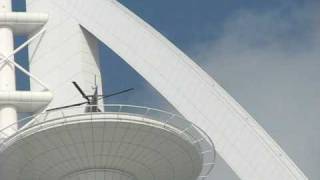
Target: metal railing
(183, 127)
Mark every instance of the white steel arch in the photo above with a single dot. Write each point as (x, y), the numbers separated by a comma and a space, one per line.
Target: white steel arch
(239, 139)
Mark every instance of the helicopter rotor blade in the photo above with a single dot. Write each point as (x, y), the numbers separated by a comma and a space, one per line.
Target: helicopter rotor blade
(115, 94)
(64, 107)
(80, 90)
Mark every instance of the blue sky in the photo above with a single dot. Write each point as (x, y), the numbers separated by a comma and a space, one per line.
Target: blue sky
(264, 53)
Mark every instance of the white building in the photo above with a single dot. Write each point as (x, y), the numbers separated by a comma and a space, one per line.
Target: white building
(121, 142)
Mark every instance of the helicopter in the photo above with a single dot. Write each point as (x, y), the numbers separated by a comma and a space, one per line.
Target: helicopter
(91, 100)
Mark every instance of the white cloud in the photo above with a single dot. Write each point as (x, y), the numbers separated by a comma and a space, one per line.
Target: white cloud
(270, 62)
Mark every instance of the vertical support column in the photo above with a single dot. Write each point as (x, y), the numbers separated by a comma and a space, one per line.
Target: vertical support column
(8, 113)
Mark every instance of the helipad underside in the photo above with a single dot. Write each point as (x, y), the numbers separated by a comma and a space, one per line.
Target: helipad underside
(103, 144)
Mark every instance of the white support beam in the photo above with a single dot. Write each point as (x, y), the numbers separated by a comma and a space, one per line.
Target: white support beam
(26, 101)
(30, 75)
(10, 100)
(22, 46)
(8, 60)
(23, 23)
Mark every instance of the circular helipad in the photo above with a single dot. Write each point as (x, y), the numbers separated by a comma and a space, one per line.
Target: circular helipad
(123, 146)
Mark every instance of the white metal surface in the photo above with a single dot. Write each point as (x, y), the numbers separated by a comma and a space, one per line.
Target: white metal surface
(26, 101)
(239, 139)
(8, 113)
(146, 143)
(23, 23)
